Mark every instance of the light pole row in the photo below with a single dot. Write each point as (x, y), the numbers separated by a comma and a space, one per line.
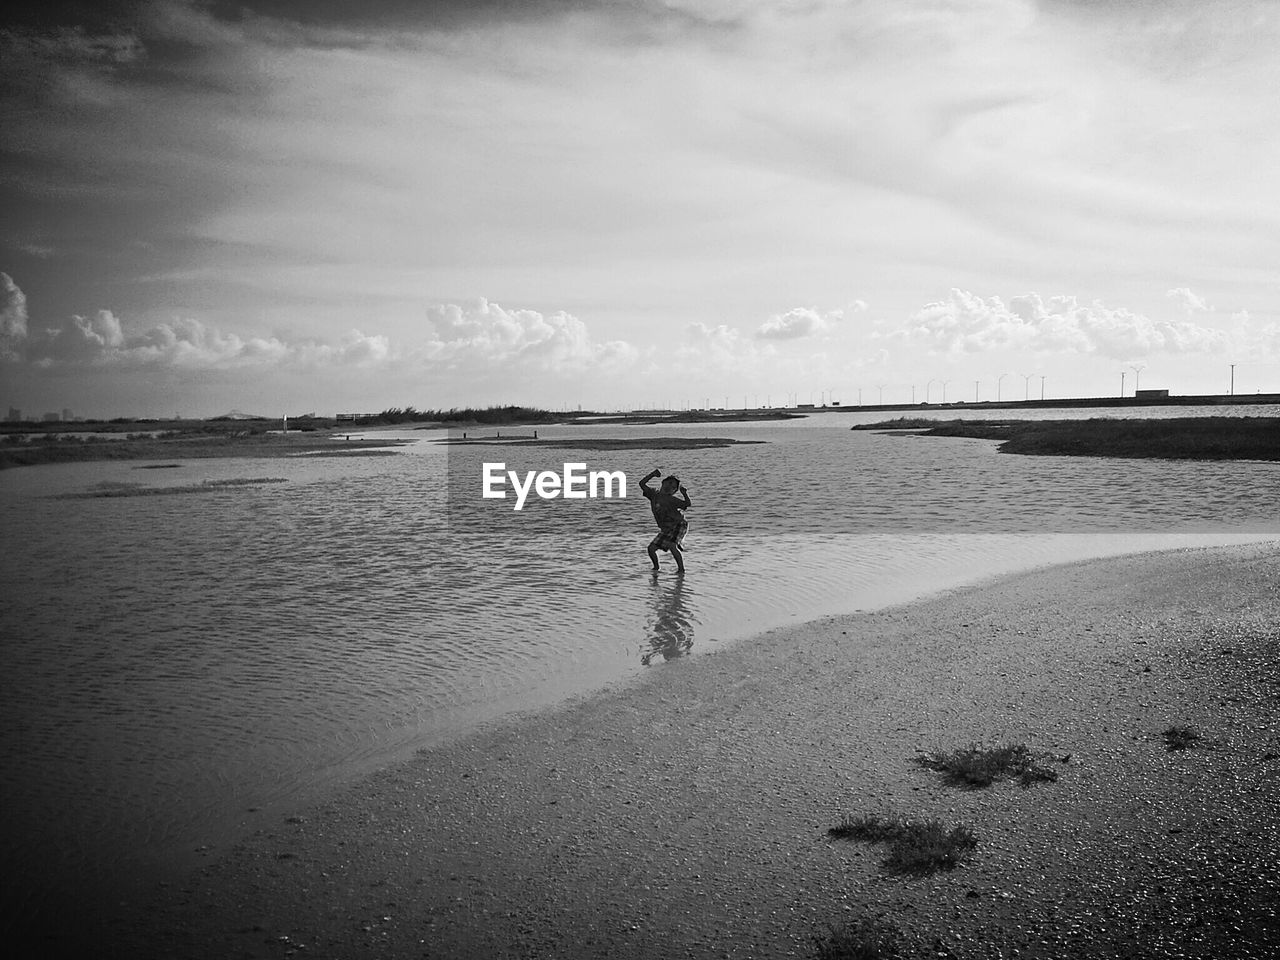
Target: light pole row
(828, 396)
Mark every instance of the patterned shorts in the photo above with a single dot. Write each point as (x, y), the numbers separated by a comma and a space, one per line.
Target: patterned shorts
(670, 537)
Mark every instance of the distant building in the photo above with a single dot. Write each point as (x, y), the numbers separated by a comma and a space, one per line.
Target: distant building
(1150, 394)
(15, 415)
(51, 417)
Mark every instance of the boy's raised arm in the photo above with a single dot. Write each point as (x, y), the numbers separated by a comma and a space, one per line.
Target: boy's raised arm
(644, 481)
(687, 503)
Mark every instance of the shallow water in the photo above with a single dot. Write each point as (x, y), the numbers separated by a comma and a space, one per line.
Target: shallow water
(173, 663)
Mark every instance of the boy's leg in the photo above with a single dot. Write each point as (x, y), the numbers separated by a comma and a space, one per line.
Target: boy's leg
(675, 552)
(653, 555)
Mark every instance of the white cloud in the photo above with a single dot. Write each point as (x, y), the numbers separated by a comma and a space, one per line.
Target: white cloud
(720, 348)
(1191, 302)
(486, 336)
(803, 322)
(101, 340)
(13, 318)
(967, 323)
(481, 338)
(1253, 340)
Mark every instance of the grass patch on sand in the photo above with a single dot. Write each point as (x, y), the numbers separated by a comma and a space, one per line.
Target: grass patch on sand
(863, 939)
(977, 766)
(916, 847)
(1179, 738)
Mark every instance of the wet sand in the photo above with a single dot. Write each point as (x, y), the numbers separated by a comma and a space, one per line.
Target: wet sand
(686, 815)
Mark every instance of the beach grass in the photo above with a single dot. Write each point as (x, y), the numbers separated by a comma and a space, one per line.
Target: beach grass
(916, 847)
(977, 766)
(1179, 738)
(866, 938)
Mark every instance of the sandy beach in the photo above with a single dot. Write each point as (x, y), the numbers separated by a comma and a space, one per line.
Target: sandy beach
(686, 815)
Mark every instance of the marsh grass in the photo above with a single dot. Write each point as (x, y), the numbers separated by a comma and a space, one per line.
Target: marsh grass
(863, 939)
(916, 847)
(901, 423)
(977, 766)
(1179, 738)
(1182, 438)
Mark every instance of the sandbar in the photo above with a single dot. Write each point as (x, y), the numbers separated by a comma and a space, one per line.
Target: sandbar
(604, 443)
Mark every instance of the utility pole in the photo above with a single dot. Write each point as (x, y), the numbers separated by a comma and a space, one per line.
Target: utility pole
(1042, 388)
(944, 390)
(1137, 369)
(975, 391)
(1233, 380)
(1026, 385)
(998, 380)
(1122, 383)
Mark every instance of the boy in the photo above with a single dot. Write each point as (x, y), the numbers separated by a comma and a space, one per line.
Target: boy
(668, 513)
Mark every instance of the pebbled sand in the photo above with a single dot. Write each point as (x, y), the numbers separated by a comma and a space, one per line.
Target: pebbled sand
(686, 815)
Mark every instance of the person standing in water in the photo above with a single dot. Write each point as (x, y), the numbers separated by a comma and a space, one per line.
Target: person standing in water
(668, 513)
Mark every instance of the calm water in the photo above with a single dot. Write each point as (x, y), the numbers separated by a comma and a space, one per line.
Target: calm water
(174, 663)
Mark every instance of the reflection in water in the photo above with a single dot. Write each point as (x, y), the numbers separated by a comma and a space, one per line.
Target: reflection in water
(671, 627)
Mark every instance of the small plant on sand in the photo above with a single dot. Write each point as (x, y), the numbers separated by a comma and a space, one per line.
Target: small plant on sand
(869, 829)
(916, 847)
(1179, 738)
(864, 939)
(976, 766)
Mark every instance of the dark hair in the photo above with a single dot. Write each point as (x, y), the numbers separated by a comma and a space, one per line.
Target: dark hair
(671, 481)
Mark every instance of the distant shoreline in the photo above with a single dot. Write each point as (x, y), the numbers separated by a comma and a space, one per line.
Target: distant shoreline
(1177, 438)
(185, 447)
(1203, 438)
(602, 443)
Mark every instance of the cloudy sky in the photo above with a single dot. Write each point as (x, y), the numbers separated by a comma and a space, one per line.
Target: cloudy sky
(282, 206)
